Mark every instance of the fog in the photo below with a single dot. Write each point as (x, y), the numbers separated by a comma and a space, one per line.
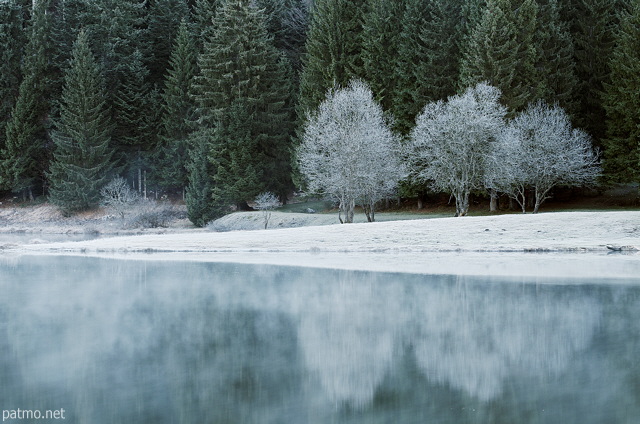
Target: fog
(142, 341)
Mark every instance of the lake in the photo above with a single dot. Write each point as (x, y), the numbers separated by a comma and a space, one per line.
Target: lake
(117, 341)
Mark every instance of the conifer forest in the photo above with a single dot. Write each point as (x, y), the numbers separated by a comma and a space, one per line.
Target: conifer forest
(218, 101)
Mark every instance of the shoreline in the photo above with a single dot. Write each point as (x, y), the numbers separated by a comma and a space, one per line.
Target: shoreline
(567, 244)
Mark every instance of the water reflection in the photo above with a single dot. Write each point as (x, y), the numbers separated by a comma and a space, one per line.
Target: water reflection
(116, 341)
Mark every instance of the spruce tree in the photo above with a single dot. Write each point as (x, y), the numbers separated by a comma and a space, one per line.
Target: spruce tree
(163, 21)
(428, 65)
(136, 114)
(12, 40)
(555, 60)
(333, 50)
(201, 207)
(24, 158)
(177, 114)
(242, 91)
(67, 19)
(501, 52)
(287, 22)
(82, 158)
(622, 102)
(117, 32)
(593, 25)
(380, 42)
(205, 11)
(471, 15)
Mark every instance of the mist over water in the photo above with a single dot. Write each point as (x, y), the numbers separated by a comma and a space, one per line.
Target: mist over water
(114, 341)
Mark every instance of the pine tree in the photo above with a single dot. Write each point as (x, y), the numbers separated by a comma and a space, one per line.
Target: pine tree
(241, 71)
(593, 24)
(501, 52)
(287, 22)
(201, 207)
(622, 102)
(82, 159)
(333, 46)
(135, 113)
(12, 40)
(555, 58)
(24, 157)
(428, 65)
(118, 31)
(67, 19)
(380, 43)
(471, 15)
(178, 112)
(163, 22)
(205, 11)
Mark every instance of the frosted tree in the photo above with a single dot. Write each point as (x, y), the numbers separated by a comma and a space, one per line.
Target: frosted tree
(542, 150)
(118, 197)
(507, 167)
(451, 140)
(348, 151)
(266, 202)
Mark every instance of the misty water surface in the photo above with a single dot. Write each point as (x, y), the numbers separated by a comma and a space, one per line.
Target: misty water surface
(114, 341)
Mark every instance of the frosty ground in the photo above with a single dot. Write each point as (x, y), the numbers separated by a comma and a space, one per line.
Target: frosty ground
(555, 244)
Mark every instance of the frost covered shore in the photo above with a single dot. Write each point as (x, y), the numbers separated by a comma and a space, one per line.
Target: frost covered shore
(574, 244)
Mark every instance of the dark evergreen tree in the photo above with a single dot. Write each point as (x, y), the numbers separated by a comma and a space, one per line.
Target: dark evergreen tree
(82, 159)
(68, 17)
(555, 60)
(136, 116)
(241, 71)
(178, 114)
(201, 207)
(24, 158)
(119, 30)
(240, 164)
(205, 11)
(12, 40)
(163, 20)
(593, 26)
(333, 50)
(380, 49)
(501, 52)
(471, 15)
(287, 22)
(428, 65)
(622, 102)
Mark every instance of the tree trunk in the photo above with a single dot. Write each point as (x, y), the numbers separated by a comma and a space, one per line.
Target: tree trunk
(347, 206)
(351, 211)
(540, 196)
(420, 203)
(462, 204)
(370, 211)
(493, 203)
(536, 207)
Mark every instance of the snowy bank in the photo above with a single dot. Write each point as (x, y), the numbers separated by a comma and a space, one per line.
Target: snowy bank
(575, 244)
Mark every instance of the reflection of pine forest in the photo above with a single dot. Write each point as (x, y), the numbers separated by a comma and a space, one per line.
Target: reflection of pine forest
(209, 98)
(186, 342)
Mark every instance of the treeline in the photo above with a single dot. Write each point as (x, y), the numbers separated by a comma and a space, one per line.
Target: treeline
(209, 97)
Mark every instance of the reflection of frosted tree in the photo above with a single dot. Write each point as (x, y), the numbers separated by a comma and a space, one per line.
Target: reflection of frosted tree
(233, 343)
(462, 335)
(489, 339)
(347, 338)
